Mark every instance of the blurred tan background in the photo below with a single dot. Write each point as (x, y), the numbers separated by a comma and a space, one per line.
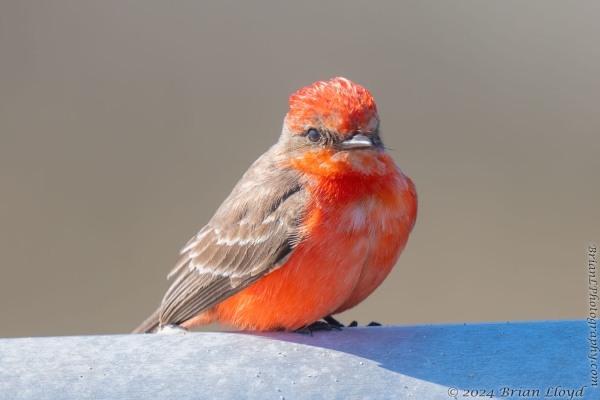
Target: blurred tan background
(123, 126)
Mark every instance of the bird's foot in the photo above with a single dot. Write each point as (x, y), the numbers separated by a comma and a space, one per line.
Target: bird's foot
(329, 324)
(317, 326)
(352, 324)
(333, 322)
(172, 329)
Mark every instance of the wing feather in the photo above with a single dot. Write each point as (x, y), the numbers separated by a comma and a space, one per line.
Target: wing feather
(251, 234)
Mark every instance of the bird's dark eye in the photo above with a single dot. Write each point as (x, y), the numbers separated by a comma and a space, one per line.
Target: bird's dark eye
(313, 135)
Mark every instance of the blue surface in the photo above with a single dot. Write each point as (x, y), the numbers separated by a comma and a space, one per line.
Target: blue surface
(421, 362)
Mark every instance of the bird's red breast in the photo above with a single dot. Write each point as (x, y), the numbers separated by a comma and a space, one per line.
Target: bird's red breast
(355, 231)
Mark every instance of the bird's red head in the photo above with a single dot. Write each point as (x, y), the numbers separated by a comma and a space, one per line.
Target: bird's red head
(332, 130)
(338, 105)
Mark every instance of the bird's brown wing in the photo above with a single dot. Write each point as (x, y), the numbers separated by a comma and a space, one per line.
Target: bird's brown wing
(251, 234)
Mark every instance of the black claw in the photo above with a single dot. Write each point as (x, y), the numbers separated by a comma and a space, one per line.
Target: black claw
(303, 331)
(374, 324)
(317, 326)
(333, 322)
(353, 324)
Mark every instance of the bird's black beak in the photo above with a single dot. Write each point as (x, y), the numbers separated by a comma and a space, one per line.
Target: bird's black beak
(358, 141)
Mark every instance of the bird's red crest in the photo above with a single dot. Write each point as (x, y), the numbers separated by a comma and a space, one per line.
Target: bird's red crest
(339, 105)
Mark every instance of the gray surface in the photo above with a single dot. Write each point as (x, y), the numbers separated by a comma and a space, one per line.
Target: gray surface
(381, 362)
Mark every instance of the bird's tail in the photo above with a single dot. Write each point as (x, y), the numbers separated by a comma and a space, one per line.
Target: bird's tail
(150, 325)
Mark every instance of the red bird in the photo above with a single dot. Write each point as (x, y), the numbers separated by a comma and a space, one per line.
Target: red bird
(312, 228)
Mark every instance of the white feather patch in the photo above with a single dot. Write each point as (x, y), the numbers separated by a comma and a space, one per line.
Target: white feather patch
(269, 219)
(194, 241)
(357, 217)
(241, 241)
(202, 269)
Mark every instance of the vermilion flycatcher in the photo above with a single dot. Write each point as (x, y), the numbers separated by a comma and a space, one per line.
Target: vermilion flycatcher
(312, 228)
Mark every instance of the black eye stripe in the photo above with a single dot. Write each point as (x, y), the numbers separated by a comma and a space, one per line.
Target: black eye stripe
(313, 135)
